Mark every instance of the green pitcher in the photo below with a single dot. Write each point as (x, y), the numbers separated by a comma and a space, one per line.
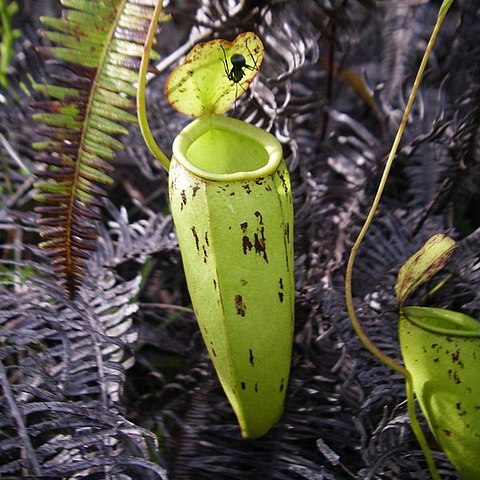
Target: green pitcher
(441, 349)
(232, 207)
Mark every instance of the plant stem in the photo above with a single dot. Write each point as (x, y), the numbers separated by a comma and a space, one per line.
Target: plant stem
(417, 429)
(6, 52)
(142, 81)
(360, 331)
(19, 420)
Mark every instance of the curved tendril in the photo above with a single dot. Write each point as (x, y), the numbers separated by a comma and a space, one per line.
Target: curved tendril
(142, 81)
(360, 331)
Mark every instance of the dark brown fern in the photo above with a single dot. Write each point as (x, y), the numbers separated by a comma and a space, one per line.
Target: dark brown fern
(97, 45)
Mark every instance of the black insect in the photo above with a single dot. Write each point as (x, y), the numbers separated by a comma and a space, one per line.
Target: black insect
(238, 61)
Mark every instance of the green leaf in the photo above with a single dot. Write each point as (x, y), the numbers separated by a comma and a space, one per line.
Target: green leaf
(85, 112)
(93, 6)
(80, 43)
(95, 174)
(113, 113)
(53, 187)
(423, 265)
(73, 28)
(202, 84)
(98, 149)
(127, 48)
(55, 91)
(122, 73)
(86, 59)
(57, 120)
(107, 126)
(112, 98)
(116, 85)
(107, 140)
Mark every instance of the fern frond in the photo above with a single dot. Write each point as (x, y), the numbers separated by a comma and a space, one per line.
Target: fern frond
(63, 367)
(97, 45)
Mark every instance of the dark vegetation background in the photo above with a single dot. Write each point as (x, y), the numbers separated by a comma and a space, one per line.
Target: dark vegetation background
(118, 384)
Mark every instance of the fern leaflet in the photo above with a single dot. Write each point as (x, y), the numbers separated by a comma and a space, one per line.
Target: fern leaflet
(97, 45)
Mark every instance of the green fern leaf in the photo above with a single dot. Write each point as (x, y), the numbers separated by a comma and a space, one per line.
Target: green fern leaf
(99, 43)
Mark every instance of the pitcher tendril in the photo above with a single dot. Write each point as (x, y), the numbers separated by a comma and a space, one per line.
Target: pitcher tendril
(360, 331)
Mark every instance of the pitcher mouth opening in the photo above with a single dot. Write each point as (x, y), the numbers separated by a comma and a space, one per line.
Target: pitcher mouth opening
(225, 149)
(445, 322)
